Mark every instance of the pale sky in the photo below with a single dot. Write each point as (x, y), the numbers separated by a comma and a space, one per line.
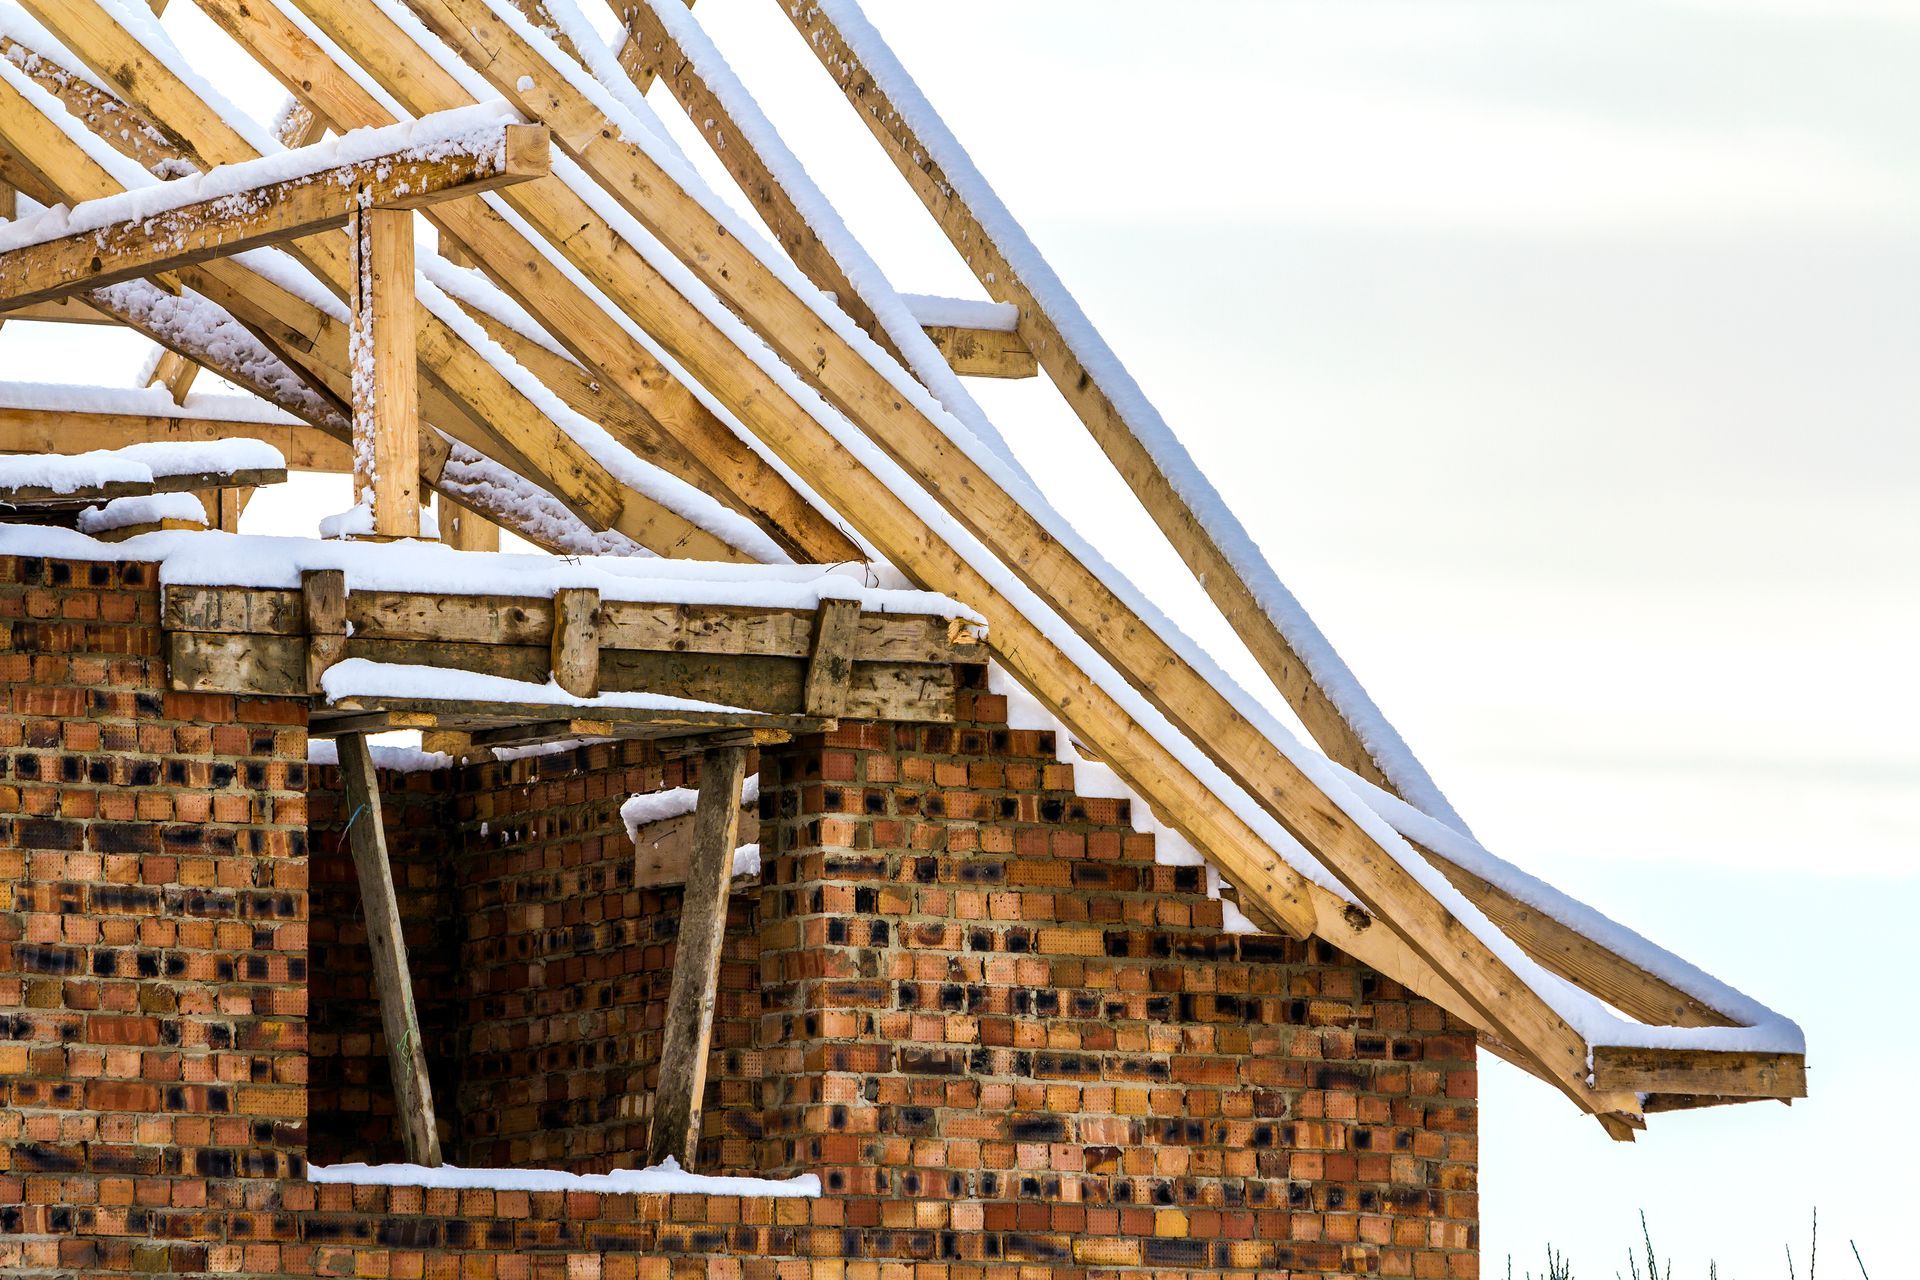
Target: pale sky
(1561, 358)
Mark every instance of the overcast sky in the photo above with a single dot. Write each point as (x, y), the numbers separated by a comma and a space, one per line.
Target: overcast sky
(1561, 356)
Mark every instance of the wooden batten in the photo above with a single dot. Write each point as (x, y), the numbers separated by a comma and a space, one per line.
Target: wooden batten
(675, 1129)
(984, 353)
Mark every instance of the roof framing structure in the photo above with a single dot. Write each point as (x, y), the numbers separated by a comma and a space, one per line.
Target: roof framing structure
(609, 358)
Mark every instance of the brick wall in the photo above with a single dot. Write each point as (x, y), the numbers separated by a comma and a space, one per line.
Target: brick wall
(1007, 1038)
(152, 935)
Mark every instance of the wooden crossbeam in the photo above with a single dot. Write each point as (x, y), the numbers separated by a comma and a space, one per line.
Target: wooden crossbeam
(1083, 381)
(1700, 1072)
(984, 353)
(663, 851)
(272, 212)
(675, 1129)
(392, 981)
(44, 431)
(743, 477)
(86, 495)
(59, 311)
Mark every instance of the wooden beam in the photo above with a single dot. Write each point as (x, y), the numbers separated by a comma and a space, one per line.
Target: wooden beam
(323, 598)
(662, 851)
(576, 641)
(748, 630)
(743, 477)
(836, 634)
(182, 482)
(105, 116)
(984, 353)
(677, 1102)
(462, 528)
(131, 247)
(174, 372)
(1080, 375)
(224, 507)
(42, 431)
(650, 51)
(59, 311)
(392, 981)
(1700, 1071)
(386, 398)
(1580, 960)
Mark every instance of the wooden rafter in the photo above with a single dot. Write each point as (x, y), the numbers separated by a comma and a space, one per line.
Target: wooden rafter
(1080, 380)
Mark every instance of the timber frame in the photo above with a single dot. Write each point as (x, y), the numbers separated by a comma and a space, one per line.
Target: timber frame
(601, 358)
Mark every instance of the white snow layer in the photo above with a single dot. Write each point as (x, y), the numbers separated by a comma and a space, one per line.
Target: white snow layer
(362, 677)
(399, 758)
(962, 313)
(665, 1178)
(650, 807)
(124, 513)
(136, 463)
(147, 402)
(476, 130)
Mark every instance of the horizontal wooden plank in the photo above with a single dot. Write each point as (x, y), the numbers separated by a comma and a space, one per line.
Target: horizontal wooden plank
(528, 620)
(661, 850)
(1700, 1071)
(88, 495)
(984, 353)
(211, 662)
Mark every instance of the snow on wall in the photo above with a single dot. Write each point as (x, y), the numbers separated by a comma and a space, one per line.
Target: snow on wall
(666, 1178)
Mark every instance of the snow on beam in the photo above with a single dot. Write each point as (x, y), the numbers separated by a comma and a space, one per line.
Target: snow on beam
(282, 197)
(32, 430)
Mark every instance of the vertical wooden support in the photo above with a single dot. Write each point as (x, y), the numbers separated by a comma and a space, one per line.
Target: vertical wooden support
(324, 593)
(413, 1096)
(8, 205)
(223, 506)
(576, 641)
(464, 529)
(696, 964)
(386, 393)
(830, 670)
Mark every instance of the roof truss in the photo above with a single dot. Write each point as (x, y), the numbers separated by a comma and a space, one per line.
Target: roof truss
(618, 291)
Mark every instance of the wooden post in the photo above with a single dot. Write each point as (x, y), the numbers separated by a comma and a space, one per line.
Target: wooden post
(463, 529)
(224, 505)
(836, 630)
(323, 592)
(576, 641)
(386, 393)
(412, 1095)
(696, 964)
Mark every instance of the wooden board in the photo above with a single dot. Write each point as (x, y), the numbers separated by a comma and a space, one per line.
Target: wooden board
(528, 620)
(88, 495)
(984, 353)
(1700, 1071)
(663, 850)
(277, 665)
(677, 1102)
